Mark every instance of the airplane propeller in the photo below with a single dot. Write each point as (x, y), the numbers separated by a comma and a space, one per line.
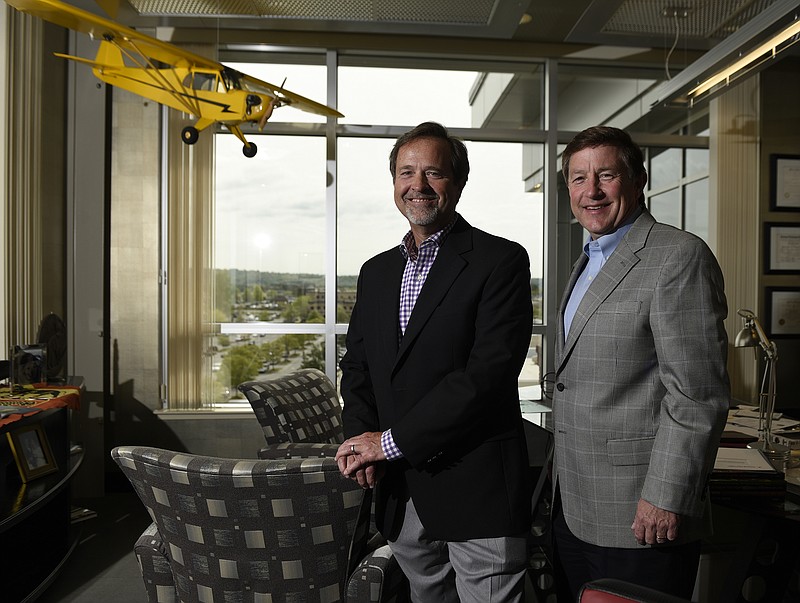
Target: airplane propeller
(273, 104)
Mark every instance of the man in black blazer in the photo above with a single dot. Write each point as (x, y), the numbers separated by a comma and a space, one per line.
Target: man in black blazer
(435, 345)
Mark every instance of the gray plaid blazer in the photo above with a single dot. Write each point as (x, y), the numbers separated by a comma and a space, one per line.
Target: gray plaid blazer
(642, 389)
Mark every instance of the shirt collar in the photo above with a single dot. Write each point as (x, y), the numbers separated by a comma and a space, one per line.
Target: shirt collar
(608, 242)
(408, 247)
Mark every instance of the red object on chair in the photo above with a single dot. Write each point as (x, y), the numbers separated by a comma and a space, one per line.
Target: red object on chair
(609, 590)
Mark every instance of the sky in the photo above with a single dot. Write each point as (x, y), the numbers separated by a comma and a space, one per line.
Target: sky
(271, 208)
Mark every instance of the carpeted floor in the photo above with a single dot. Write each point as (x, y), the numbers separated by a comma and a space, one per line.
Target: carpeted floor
(103, 566)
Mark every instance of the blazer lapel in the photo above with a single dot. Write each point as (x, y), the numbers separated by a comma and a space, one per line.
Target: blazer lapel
(389, 304)
(610, 276)
(448, 265)
(577, 268)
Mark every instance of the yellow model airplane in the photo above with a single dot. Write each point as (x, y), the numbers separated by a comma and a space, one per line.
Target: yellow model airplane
(171, 76)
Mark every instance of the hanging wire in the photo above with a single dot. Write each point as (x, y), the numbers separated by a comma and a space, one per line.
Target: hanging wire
(674, 44)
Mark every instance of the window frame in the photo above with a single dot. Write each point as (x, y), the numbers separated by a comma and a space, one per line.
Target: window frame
(555, 260)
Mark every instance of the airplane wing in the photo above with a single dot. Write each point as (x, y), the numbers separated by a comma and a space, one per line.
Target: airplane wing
(100, 28)
(130, 40)
(285, 97)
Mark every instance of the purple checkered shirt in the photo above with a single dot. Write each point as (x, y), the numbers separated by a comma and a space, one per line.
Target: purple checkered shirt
(418, 265)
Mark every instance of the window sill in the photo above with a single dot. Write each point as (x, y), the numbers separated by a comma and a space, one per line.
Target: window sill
(227, 410)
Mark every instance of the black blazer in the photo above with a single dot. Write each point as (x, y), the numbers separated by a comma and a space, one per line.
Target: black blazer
(449, 389)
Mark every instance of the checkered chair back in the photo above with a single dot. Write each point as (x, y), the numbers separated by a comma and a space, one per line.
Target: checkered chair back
(260, 531)
(299, 407)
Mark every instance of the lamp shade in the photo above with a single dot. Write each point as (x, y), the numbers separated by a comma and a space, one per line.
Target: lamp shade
(747, 337)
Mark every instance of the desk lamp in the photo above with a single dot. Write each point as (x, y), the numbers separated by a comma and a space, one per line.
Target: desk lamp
(752, 335)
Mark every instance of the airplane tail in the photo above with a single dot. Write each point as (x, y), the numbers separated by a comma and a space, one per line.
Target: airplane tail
(77, 59)
(108, 55)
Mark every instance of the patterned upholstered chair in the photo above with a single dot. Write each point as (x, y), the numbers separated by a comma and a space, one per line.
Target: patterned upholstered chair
(251, 530)
(301, 407)
(301, 417)
(153, 558)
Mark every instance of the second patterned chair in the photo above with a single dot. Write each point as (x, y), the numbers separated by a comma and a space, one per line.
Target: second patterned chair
(300, 407)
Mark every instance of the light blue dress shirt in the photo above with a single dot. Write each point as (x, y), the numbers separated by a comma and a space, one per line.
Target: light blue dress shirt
(598, 251)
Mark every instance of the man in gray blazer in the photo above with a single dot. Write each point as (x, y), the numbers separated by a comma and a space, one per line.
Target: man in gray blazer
(641, 388)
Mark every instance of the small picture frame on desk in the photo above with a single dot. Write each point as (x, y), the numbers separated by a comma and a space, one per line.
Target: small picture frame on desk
(32, 452)
(28, 365)
(784, 182)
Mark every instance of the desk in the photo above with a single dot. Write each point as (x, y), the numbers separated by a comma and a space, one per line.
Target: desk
(35, 399)
(35, 522)
(754, 549)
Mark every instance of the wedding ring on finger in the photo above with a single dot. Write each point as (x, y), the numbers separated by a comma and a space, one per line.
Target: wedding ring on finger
(353, 448)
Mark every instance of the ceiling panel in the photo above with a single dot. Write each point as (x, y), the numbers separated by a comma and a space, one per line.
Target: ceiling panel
(452, 12)
(694, 24)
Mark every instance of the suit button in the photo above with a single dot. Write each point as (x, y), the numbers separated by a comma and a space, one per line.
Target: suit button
(560, 387)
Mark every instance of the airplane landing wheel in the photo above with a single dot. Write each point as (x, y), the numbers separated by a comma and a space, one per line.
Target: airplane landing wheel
(250, 151)
(189, 135)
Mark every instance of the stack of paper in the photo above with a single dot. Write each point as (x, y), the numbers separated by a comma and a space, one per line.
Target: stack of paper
(745, 472)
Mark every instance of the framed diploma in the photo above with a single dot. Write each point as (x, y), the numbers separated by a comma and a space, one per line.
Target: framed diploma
(783, 311)
(781, 248)
(785, 182)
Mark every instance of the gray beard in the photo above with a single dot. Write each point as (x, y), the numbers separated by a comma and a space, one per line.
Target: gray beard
(422, 217)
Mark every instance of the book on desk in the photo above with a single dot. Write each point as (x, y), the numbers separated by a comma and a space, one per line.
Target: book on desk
(745, 472)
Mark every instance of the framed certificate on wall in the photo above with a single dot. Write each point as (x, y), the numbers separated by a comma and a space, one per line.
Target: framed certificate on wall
(782, 248)
(783, 311)
(785, 182)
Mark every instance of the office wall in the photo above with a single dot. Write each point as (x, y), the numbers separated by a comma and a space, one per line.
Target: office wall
(54, 265)
(134, 267)
(86, 182)
(33, 216)
(750, 122)
(733, 194)
(780, 134)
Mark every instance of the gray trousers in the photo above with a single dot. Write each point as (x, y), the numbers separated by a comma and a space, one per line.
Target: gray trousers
(484, 570)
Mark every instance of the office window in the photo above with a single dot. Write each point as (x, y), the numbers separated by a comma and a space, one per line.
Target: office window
(277, 235)
(677, 192)
(665, 167)
(666, 207)
(696, 208)
(367, 220)
(696, 162)
(404, 97)
(269, 233)
(590, 95)
(480, 96)
(292, 226)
